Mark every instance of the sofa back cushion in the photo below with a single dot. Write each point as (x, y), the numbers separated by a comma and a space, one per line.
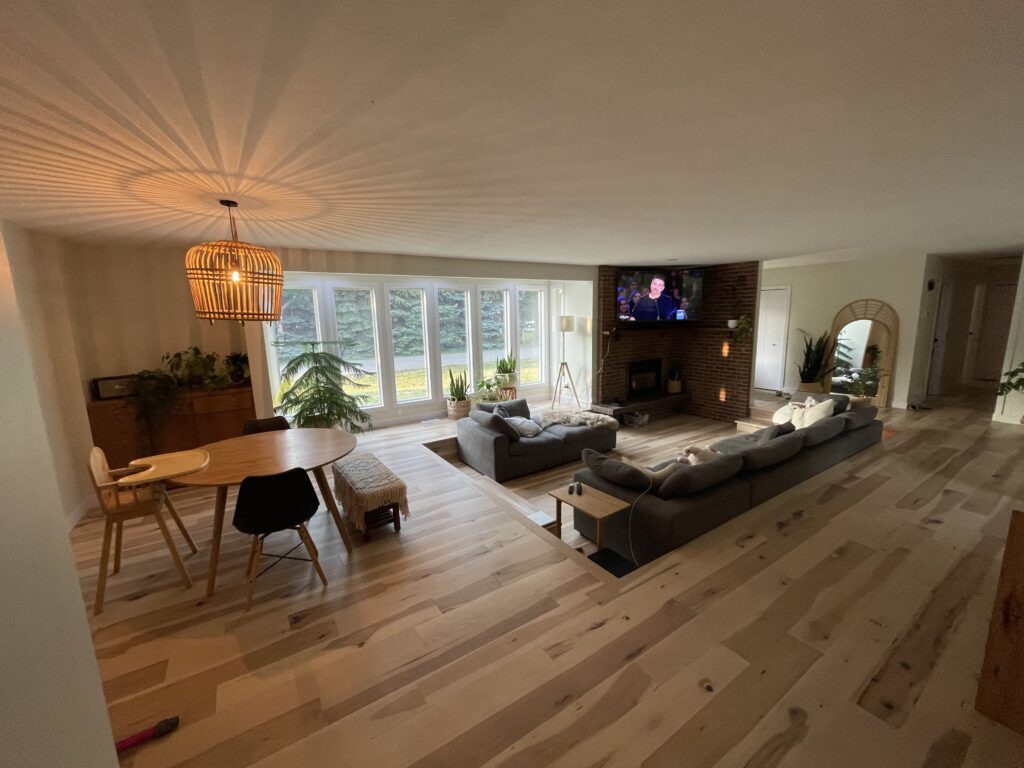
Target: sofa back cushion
(842, 402)
(855, 418)
(494, 423)
(513, 407)
(691, 478)
(823, 430)
(615, 471)
(761, 455)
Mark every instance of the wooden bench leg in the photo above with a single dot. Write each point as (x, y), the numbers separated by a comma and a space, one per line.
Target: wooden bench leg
(398, 517)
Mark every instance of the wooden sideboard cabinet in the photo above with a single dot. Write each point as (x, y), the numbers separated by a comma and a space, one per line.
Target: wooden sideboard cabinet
(198, 417)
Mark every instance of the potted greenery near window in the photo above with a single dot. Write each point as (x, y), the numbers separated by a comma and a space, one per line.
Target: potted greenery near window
(674, 378)
(817, 364)
(505, 374)
(313, 390)
(458, 397)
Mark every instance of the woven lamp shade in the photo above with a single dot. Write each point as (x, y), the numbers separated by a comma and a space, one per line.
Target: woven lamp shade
(231, 280)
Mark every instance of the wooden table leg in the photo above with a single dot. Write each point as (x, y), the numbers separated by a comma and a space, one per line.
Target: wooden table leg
(558, 518)
(332, 505)
(218, 529)
(598, 523)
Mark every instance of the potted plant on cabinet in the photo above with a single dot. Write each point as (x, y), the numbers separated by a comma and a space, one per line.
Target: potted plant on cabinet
(505, 374)
(818, 363)
(674, 378)
(313, 391)
(458, 397)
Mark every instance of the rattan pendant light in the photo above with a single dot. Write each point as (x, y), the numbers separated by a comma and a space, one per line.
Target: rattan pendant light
(231, 280)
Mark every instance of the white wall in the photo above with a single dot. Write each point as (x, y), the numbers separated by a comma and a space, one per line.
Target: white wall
(819, 291)
(35, 264)
(1010, 408)
(578, 298)
(52, 709)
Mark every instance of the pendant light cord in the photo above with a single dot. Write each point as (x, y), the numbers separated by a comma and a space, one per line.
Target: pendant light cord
(234, 229)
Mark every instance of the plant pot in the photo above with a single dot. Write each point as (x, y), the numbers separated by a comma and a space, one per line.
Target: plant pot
(811, 387)
(731, 324)
(506, 380)
(457, 409)
(673, 387)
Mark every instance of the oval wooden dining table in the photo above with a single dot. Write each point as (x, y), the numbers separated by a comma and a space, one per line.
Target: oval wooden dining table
(268, 453)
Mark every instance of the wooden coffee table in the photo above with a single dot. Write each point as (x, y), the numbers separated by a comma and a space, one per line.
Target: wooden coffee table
(592, 503)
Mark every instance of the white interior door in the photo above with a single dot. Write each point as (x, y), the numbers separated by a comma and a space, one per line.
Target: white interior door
(995, 327)
(772, 331)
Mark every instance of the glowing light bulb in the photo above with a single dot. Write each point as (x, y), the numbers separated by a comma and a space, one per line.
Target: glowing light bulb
(722, 395)
(725, 349)
(235, 277)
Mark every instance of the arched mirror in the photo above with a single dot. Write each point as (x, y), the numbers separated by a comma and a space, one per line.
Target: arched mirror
(865, 331)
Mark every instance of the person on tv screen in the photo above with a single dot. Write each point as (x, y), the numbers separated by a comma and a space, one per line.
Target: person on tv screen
(656, 305)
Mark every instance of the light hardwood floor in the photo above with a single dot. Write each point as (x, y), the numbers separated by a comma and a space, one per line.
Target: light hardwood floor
(840, 624)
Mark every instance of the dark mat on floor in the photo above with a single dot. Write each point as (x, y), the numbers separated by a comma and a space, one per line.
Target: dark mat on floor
(616, 565)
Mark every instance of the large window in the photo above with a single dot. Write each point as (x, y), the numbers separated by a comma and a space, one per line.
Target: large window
(531, 336)
(409, 342)
(356, 321)
(453, 329)
(408, 335)
(493, 328)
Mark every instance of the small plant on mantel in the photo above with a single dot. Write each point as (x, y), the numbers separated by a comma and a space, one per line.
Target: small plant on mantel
(313, 390)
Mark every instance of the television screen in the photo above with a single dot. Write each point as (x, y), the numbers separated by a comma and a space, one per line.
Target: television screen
(655, 295)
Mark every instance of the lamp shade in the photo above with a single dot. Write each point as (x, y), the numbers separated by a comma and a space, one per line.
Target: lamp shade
(231, 280)
(567, 323)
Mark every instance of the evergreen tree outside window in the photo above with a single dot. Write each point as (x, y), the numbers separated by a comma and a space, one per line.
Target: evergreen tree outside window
(356, 319)
(408, 313)
(531, 339)
(493, 328)
(453, 329)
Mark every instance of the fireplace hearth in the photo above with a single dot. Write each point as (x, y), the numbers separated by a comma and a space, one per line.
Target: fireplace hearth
(643, 379)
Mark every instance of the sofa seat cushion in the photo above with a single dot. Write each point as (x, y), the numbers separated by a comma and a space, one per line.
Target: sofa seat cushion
(690, 478)
(759, 455)
(514, 407)
(738, 443)
(495, 423)
(615, 471)
(858, 418)
(823, 430)
(540, 443)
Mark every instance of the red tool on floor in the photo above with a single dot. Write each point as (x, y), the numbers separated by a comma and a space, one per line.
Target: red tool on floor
(160, 729)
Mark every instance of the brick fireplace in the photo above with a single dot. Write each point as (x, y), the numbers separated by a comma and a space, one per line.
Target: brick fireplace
(716, 369)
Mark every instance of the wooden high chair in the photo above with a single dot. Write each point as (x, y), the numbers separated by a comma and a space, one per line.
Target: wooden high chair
(119, 504)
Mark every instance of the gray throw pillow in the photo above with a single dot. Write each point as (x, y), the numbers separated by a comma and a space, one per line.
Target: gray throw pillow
(615, 471)
(855, 418)
(525, 427)
(494, 423)
(691, 478)
(842, 402)
(499, 410)
(822, 431)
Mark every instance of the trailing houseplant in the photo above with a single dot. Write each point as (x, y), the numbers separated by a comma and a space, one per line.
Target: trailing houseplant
(192, 367)
(505, 372)
(818, 362)
(156, 392)
(458, 395)
(313, 390)
(486, 390)
(744, 328)
(1013, 381)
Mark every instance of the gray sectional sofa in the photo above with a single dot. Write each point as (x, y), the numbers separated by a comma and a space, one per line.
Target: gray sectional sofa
(492, 446)
(695, 499)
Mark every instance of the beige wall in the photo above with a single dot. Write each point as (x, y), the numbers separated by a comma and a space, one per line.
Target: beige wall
(819, 291)
(35, 264)
(52, 709)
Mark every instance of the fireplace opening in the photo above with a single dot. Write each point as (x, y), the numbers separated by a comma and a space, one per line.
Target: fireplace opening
(643, 379)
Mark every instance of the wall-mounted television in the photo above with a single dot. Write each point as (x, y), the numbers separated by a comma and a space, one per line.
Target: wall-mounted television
(648, 295)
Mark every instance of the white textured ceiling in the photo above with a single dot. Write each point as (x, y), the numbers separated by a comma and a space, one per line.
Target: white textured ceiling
(570, 131)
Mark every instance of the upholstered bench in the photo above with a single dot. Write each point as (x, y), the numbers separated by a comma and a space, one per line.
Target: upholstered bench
(371, 494)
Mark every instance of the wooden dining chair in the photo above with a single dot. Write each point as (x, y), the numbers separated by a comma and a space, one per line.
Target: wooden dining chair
(271, 424)
(272, 503)
(119, 504)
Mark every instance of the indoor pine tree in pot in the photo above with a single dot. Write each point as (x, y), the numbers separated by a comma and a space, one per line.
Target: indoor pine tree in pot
(818, 363)
(313, 390)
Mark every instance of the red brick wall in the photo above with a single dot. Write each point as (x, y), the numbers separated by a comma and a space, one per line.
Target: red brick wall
(698, 346)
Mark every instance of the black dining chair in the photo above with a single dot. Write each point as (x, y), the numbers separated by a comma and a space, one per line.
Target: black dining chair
(274, 423)
(271, 503)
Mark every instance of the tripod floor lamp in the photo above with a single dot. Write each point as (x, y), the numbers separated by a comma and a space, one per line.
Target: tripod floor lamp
(567, 324)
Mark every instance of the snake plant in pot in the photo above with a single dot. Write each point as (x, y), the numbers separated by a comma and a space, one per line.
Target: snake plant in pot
(313, 390)
(818, 363)
(458, 397)
(505, 373)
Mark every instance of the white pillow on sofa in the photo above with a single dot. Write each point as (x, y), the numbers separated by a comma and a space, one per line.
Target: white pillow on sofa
(805, 417)
(525, 427)
(784, 415)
